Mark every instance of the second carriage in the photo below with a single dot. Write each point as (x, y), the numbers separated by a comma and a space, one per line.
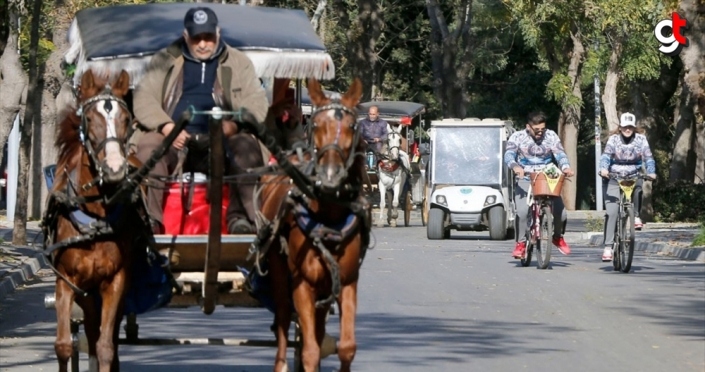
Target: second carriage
(406, 118)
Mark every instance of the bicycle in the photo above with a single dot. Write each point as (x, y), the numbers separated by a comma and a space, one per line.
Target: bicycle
(624, 252)
(539, 235)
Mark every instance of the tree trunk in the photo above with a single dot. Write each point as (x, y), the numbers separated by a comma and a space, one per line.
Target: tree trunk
(13, 82)
(44, 152)
(609, 98)
(450, 57)
(684, 158)
(31, 115)
(569, 122)
(367, 30)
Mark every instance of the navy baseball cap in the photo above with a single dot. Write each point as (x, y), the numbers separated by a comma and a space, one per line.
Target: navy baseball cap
(200, 20)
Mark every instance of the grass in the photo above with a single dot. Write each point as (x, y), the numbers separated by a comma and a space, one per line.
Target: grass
(594, 223)
(700, 238)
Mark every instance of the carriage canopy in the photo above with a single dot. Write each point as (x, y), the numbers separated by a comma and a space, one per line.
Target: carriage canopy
(280, 42)
(401, 111)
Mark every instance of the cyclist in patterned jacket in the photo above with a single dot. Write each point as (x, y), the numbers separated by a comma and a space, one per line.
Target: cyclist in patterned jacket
(626, 152)
(528, 151)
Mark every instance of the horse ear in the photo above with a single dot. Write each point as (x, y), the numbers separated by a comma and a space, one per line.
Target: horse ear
(87, 81)
(316, 93)
(352, 97)
(122, 85)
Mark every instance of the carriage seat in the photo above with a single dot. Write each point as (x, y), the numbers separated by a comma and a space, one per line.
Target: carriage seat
(186, 208)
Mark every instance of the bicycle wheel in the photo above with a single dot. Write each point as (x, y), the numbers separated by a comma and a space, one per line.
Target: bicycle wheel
(543, 241)
(526, 259)
(616, 246)
(626, 251)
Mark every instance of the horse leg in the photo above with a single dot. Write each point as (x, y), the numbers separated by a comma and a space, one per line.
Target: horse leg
(382, 201)
(278, 272)
(111, 294)
(91, 325)
(395, 203)
(348, 306)
(304, 299)
(63, 344)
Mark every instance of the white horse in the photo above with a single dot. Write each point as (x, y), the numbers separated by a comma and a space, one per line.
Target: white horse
(391, 175)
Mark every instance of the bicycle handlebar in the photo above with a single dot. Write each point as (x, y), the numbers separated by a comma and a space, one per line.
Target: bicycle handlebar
(619, 176)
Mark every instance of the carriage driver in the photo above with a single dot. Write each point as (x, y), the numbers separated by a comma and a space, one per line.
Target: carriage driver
(531, 150)
(199, 69)
(373, 130)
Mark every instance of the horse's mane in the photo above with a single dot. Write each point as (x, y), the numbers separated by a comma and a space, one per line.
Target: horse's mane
(67, 141)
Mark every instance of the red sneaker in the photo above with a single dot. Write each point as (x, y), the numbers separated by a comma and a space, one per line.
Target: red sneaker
(562, 245)
(519, 250)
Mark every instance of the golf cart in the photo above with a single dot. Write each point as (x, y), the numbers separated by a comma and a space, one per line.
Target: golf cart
(469, 188)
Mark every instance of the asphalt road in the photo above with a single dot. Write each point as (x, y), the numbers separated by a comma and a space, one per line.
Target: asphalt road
(461, 304)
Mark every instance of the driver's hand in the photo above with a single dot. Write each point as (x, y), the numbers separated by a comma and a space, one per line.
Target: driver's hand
(167, 128)
(604, 173)
(181, 140)
(652, 176)
(569, 172)
(376, 140)
(519, 171)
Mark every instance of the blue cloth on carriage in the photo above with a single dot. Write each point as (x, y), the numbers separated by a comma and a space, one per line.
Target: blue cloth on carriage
(150, 288)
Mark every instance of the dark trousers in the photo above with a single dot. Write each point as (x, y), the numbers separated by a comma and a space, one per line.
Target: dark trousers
(245, 153)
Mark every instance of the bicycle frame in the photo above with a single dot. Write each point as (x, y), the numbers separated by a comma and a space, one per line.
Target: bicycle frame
(624, 238)
(541, 218)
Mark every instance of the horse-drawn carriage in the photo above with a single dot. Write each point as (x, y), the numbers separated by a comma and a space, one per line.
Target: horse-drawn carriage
(206, 267)
(400, 150)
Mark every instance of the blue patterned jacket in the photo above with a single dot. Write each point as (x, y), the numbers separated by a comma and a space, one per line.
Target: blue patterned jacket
(534, 156)
(627, 158)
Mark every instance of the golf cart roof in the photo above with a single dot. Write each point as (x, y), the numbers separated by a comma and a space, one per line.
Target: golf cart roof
(469, 122)
(394, 108)
(280, 42)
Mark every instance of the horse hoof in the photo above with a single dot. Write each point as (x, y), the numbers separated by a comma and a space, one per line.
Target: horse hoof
(393, 224)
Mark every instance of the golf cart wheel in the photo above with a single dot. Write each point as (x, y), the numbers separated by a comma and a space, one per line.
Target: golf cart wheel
(498, 222)
(434, 229)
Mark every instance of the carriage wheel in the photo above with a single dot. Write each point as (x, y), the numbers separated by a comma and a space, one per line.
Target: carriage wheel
(407, 207)
(215, 195)
(424, 207)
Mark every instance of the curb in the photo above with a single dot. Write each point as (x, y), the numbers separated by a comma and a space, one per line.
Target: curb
(23, 272)
(683, 253)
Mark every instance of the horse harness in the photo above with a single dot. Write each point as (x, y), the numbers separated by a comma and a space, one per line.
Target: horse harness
(68, 202)
(321, 233)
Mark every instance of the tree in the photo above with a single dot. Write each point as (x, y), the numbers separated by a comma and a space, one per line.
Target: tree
(13, 80)
(555, 29)
(450, 45)
(691, 94)
(31, 114)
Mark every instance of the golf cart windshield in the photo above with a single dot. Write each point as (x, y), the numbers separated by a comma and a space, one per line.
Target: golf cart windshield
(466, 155)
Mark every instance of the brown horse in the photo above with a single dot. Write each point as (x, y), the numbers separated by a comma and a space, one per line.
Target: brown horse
(90, 251)
(324, 241)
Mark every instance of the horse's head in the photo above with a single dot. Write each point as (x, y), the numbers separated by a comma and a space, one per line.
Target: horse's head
(105, 122)
(393, 141)
(335, 135)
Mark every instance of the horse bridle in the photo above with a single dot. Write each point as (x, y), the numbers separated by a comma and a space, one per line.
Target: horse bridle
(107, 96)
(340, 109)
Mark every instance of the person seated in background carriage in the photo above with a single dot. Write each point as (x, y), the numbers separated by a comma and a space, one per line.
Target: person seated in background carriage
(373, 130)
(200, 70)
